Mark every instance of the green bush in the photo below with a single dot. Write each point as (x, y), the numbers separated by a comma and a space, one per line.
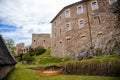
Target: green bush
(28, 58)
(19, 58)
(39, 51)
(31, 52)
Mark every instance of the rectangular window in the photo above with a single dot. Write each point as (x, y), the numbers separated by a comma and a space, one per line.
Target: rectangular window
(60, 19)
(80, 9)
(67, 13)
(96, 19)
(60, 31)
(94, 5)
(112, 1)
(81, 23)
(55, 24)
(68, 39)
(68, 26)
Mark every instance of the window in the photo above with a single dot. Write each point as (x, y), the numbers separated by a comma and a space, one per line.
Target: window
(68, 39)
(34, 40)
(54, 44)
(112, 1)
(67, 13)
(83, 37)
(43, 40)
(60, 42)
(68, 26)
(55, 23)
(60, 31)
(81, 23)
(60, 19)
(80, 9)
(94, 5)
(96, 19)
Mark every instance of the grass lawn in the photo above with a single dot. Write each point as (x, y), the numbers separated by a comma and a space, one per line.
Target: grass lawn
(22, 73)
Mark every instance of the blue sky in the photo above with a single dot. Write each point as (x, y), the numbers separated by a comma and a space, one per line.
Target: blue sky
(20, 18)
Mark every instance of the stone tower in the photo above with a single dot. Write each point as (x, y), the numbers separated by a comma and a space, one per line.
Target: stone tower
(41, 40)
(19, 48)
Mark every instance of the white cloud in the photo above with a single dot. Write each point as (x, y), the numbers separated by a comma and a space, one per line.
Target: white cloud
(30, 16)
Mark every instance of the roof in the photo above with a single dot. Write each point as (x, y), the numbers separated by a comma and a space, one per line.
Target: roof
(68, 7)
(6, 58)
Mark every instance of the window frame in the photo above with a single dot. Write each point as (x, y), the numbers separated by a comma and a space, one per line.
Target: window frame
(66, 16)
(69, 26)
(112, 3)
(83, 23)
(99, 18)
(81, 8)
(60, 31)
(55, 23)
(92, 5)
(60, 19)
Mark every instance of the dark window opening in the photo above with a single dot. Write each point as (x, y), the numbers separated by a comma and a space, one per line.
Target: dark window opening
(34, 40)
(68, 39)
(54, 44)
(60, 42)
(97, 20)
(60, 31)
(43, 40)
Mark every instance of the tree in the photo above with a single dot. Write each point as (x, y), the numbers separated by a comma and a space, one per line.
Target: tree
(11, 45)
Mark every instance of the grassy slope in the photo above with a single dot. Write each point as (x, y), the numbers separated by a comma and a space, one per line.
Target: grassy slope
(22, 73)
(97, 59)
(47, 59)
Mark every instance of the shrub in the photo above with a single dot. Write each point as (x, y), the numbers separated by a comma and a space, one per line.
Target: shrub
(39, 51)
(31, 52)
(19, 58)
(28, 58)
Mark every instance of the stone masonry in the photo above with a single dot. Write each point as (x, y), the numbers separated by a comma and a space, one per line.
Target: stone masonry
(38, 40)
(41, 40)
(85, 28)
(19, 48)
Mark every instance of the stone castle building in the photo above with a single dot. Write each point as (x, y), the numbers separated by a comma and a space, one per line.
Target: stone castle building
(19, 48)
(41, 40)
(38, 40)
(86, 27)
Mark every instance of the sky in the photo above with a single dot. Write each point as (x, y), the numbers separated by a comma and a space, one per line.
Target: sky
(20, 18)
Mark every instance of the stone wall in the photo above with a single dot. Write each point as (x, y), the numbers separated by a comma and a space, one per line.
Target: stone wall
(4, 70)
(19, 48)
(41, 40)
(101, 68)
(97, 35)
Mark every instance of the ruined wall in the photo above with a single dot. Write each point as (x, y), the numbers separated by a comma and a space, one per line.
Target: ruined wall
(19, 48)
(99, 33)
(41, 40)
(25, 49)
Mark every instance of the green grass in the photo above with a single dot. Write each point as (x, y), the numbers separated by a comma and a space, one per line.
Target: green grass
(22, 73)
(45, 58)
(97, 59)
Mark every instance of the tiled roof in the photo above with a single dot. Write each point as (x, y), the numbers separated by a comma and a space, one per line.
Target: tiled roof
(6, 57)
